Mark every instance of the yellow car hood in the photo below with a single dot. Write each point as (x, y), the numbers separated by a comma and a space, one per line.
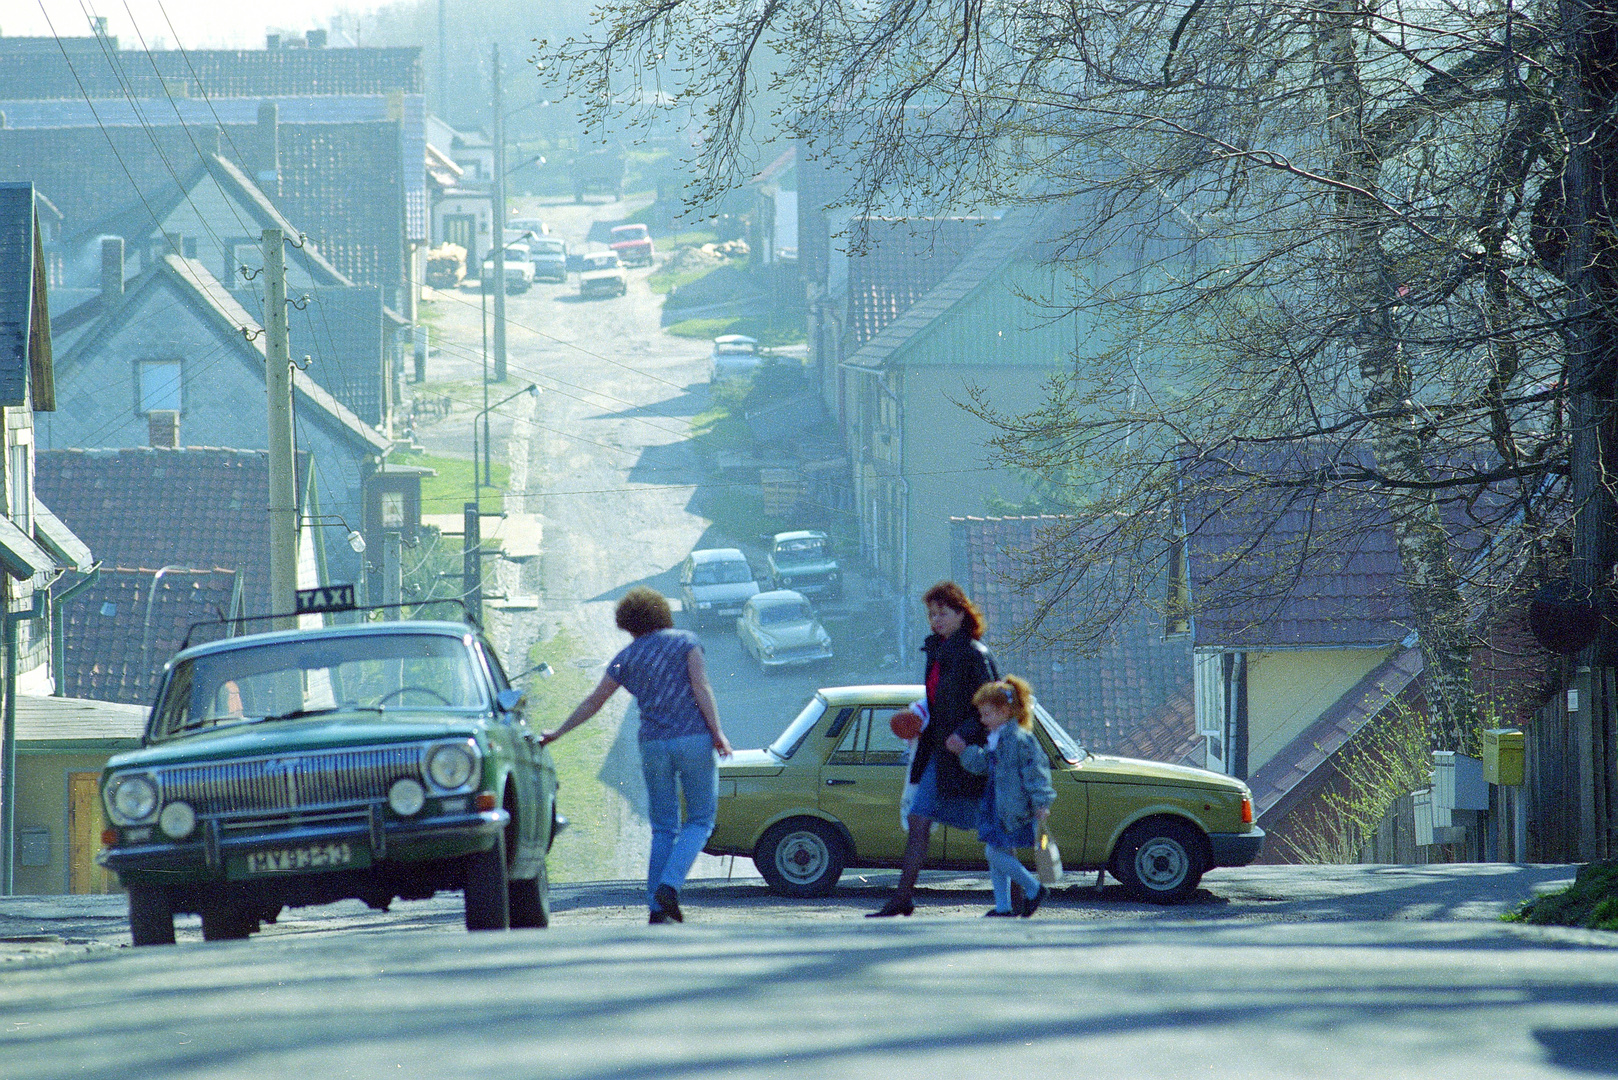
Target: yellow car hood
(1105, 769)
(750, 763)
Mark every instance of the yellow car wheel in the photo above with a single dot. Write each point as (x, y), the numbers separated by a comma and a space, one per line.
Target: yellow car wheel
(1160, 860)
(801, 857)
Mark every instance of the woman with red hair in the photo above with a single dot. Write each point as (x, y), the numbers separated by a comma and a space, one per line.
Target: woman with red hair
(957, 664)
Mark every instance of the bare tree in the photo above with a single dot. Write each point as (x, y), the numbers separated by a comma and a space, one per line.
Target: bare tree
(1304, 233)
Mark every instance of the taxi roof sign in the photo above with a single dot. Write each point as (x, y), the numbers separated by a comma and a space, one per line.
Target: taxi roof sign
(323, 598)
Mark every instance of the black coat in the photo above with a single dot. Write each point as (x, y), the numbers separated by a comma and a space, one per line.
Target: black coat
(964, 664)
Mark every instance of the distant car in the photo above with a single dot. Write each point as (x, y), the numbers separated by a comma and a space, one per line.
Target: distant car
(534, 225)
(633, 243)
(825, 795)
(803, 560)
(549, 258)
(714, 584)
(601, 274)
(733, 354)
(519, 268)
(778, 630)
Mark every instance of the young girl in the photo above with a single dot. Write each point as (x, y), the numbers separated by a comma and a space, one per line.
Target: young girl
(1019, 790)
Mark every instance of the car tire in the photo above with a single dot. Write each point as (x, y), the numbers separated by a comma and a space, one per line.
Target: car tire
(151, 918)
(488, 905)
(529, 901)
(226, 922)
(802, 857)
(1160, 860)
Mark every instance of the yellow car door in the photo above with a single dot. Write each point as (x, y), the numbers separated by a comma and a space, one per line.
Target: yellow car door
(862, 780)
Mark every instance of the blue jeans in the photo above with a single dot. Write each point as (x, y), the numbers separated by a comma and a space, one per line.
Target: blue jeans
(690, 760)
(1003, 870)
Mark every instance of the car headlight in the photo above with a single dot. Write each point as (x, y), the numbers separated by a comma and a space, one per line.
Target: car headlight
(406, 796)
(131, 799)
(452, 765)
(177, 820)
(769, 650)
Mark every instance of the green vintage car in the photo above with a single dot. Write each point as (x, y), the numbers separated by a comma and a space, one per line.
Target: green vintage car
(375, 762)
(825, 796)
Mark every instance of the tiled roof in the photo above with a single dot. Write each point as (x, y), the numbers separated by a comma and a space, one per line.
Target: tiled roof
(36, 68)
(70, 719)
(1289, 565)
(1169, 734)
(1104, 700)
(900, 264)
(343, 183)
(342, 329)
(119, 632)
(148, 506)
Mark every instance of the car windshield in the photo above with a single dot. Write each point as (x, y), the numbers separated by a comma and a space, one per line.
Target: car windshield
(776, 612)
(729, 572)
(284, 679)
(629, 232)
(787, 743)
(1066, 745)
(806, 550)
(549, 247)
(735, 348)
(602, 262)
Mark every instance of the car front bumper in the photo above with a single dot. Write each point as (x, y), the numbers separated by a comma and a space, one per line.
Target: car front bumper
(1236, 849)
(773, 662)
(207, 854)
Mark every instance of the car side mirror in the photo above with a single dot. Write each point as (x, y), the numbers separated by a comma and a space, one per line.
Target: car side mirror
(509, 700)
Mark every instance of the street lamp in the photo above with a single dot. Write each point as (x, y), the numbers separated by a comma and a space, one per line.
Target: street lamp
(532, 389)
(483, 288)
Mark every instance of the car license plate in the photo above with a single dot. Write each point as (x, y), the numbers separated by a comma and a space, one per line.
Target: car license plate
(304, 858)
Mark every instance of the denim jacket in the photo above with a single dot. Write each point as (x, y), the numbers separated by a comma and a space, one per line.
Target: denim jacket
(1022, 776)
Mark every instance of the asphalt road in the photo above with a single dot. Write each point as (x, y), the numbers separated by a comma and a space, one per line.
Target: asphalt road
(1274, 972)
(616, 486)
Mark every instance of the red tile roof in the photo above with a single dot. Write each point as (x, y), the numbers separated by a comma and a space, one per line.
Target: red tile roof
(197, 507)
(1118, 701)
(119, 632)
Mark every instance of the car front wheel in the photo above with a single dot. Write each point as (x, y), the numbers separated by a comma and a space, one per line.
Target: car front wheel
(530, 901)
(226, 922)
(803, 857)
(151, 919)
(1160, 861)
(487, 900)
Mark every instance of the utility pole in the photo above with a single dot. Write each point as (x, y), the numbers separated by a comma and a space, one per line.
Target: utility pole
(283, 476)
(499, 194)
(443, 66)
(392, 571)
(472, 561)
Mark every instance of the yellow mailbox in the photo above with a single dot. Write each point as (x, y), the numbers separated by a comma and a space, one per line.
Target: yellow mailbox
(1502, 756)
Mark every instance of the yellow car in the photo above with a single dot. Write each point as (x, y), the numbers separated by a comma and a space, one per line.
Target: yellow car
(825, 795)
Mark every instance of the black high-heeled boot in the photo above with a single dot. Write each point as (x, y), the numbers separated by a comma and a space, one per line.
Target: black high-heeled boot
(895, 906)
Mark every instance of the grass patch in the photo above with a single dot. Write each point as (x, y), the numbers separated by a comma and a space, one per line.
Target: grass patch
(451, 488)
(766, 329)
(666, 279)
(1591, 901)
(581, 796)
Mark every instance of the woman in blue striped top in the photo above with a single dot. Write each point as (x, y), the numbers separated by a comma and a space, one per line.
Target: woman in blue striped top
(680, 738)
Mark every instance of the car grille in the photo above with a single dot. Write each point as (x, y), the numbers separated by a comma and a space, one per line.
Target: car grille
(290, 782)
(802, 652)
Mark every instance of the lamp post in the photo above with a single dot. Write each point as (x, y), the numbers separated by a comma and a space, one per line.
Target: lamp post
(532, 389)
(356, 543)
(483, 288)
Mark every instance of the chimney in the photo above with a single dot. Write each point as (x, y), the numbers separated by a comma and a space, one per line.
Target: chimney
(315, 39)
(112, 270)
(163, 428)
(269, 149)
(272, 41)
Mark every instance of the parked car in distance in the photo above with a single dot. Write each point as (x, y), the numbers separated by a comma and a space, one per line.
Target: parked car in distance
(779, 630)
(601, 274)
(714, 584)
(803, 560)
(732, 355)
(377, 761)
(549, 258)
(520, 225)
(519, 268)
(633, 243)
(825, 796)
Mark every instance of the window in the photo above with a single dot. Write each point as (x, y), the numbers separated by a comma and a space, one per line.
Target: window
(870, 740)
(157, 386)
(246, 255)
(22, 503)
(393, 509)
